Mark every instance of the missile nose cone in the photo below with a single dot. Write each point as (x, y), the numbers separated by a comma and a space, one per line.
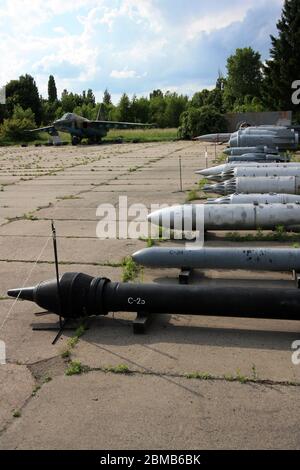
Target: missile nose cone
(205, 172)
(26, 293)
(215, 177)
(214, 138)
(138, 256)
(209, 188)
(154, 218)
(147, 256)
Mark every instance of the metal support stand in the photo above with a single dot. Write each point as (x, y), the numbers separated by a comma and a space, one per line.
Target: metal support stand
(141, 322)
(60, 327)
(62, 324)
(185, 276)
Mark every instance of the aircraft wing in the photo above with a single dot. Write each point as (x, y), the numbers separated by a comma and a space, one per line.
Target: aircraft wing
(43, 129)
(120, 125)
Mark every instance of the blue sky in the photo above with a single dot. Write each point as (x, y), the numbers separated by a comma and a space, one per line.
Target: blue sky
(130, 45)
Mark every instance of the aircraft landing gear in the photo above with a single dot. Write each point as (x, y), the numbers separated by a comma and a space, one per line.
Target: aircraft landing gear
(76, 140)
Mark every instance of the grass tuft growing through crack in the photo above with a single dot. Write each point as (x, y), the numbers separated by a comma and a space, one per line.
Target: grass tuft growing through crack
(76, 368)
(192, 195)
(130, 269)
(119, 369)
(72, 342)
(280, 234)
(29, 216)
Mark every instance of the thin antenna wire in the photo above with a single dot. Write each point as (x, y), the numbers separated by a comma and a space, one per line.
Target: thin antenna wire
(25, 282)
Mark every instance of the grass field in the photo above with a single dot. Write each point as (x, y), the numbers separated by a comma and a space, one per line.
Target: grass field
(142, 135)
(126, 135)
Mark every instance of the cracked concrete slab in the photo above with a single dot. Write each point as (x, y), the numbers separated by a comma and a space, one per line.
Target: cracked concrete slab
(104, 411)
(79, 250)
(17, 385)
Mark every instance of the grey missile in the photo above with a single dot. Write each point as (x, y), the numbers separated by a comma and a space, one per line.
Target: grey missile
(225, 137)
(243, 150)
(256, 199)
(255, 172)
(272, 184)
(257, 259)
(258, 157)
(270, 136)
(283, 139)
(198, 217)
(217, 170)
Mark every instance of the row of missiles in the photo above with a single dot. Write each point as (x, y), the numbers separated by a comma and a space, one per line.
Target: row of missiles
(263, 171)
(275, 137)
(262, 191)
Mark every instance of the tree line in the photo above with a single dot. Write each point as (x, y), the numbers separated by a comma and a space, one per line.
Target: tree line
(249, 85)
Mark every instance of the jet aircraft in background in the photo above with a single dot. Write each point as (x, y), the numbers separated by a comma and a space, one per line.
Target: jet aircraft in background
(81, 128)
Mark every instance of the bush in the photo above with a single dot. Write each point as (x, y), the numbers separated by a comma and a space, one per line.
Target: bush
(198, 121)
(13, 129)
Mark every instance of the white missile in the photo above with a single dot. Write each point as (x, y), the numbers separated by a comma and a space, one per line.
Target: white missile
(243, 150)
(256, 199)
(217, 170)
(272, 184)
(259, 157)
(227, 217)
(255, 172)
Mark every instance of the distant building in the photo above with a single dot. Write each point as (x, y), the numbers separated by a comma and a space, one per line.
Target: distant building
(2, 95)
(278, 118)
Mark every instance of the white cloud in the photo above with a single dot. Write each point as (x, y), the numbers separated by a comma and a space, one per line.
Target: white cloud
(145, 44)
(209, 23)
(125, 73)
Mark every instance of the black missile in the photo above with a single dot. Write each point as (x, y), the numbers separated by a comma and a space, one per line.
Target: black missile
(82, 295)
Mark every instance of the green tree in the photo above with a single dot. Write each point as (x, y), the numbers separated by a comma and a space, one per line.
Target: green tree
(197, 121)
(156, 94)
(283, 68)
(69, 101)
(24, 92)
(157, 108)
(21, 120)
(124, 109)
(52, 91)
(49, 111)
(250, 105)
(244, 77)
(175, 106)
(140, 109)
(107, 98)
(88, 97)
(200, 99)
(86, 110)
